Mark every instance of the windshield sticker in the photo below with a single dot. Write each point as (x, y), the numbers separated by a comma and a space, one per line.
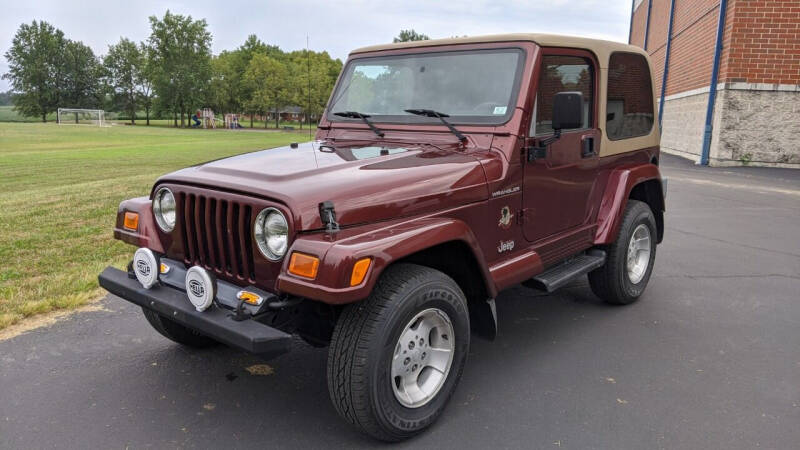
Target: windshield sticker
(500, 110)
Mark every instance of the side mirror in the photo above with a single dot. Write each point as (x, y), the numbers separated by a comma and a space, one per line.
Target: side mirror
(567, 110)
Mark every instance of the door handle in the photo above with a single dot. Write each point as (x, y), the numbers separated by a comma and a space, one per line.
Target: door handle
(587, 146)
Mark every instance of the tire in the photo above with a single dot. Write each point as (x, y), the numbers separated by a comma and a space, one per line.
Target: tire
(614, 282)
(361, 358)
(177, 332)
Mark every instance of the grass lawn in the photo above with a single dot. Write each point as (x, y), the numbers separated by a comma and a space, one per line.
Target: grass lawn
(61, 187)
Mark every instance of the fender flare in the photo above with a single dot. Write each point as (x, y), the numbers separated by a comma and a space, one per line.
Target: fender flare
(146, 234)
(384, 245)
(619, 186)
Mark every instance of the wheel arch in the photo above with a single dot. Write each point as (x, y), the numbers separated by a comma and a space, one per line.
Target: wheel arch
(639, 182)
(458, 261)
(650, 192)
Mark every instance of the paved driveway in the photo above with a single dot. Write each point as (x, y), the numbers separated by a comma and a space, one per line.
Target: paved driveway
(710, 357)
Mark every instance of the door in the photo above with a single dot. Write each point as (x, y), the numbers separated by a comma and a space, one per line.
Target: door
(558, 182)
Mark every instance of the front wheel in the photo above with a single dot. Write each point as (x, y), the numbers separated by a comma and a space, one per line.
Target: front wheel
(396, 358)
(630, 258)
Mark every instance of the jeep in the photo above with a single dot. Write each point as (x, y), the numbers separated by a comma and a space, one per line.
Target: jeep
(442, 172)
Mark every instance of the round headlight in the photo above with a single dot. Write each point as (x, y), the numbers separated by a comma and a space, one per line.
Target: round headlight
(164, 209)
(272, 233)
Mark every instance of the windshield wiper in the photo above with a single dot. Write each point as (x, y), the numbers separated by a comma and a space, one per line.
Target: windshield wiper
(440, 116)
(363, 117)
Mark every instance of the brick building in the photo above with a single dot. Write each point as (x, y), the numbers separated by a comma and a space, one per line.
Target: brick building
(755, 111)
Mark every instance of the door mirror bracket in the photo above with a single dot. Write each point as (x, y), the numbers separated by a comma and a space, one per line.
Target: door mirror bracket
(567, 114)
(539, 149)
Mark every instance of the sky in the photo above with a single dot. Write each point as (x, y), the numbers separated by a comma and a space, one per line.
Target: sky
(336, 26)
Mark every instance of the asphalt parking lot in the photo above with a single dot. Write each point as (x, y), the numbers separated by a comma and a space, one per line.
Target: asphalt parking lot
(708, 358)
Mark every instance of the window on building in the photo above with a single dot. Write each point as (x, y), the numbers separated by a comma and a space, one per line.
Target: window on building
(629, 111)
(562, 74)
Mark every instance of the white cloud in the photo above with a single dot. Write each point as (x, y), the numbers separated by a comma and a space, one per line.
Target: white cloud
(335, 26)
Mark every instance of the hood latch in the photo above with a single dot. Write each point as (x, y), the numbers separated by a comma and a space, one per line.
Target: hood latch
(327, 214)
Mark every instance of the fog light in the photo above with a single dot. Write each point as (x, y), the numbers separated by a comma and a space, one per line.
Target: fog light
(144, 266)
(201, 287)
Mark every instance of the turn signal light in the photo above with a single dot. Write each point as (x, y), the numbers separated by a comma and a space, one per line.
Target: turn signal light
(360, 269)
(131, 220)
(304, 265)
(250, 297)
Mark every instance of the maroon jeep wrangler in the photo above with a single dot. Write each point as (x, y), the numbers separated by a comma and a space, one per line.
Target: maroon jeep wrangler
(442, 172)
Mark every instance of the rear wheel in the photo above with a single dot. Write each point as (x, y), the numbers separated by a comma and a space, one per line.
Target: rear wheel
(396, 358)
(177, 332)
(630, 258)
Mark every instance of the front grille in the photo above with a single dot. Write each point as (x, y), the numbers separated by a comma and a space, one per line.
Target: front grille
(216, 235)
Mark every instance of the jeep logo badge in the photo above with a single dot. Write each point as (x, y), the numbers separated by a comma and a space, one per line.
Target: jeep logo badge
(201, 287)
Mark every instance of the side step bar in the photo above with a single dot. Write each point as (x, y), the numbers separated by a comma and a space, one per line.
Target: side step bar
(561, 274)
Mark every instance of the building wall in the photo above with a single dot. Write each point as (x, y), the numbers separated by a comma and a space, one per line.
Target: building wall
(683, 124)
(759, 78)
(757, 124)
(762, 42)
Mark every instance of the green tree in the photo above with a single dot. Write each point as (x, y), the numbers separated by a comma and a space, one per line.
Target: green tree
(147, 77)
(79, 82)
(267, 80)
(35, 62)
(123, 67)
(254, 46)
(322, 71)
(243, 56)
(410, 35)
(182, 63)
(226, 89)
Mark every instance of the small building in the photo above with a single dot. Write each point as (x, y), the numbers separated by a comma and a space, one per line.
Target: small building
(289, 114)
(749, 114)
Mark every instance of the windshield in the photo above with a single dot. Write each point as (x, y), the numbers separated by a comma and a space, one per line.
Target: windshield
(472, 87)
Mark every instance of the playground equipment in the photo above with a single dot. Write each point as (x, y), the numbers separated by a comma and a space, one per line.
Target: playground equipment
(208, 118)
(232, 121)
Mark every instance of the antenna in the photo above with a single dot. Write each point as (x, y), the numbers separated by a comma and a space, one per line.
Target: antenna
(308, 110)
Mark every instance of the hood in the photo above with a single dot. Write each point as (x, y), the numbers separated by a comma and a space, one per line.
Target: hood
(365, 181)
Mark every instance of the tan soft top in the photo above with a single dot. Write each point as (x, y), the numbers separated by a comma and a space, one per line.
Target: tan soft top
(599, 47)
(602, 50)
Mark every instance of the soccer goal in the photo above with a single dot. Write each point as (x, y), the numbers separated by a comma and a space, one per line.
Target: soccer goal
(79, 116)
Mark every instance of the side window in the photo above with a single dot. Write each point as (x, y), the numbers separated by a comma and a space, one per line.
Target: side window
(562, 74)
(629, 111)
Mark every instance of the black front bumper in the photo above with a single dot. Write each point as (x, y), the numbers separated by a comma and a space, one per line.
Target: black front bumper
(215, 322)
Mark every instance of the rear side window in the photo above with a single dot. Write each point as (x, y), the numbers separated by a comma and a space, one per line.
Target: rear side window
(629, 111)
(562, 74)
